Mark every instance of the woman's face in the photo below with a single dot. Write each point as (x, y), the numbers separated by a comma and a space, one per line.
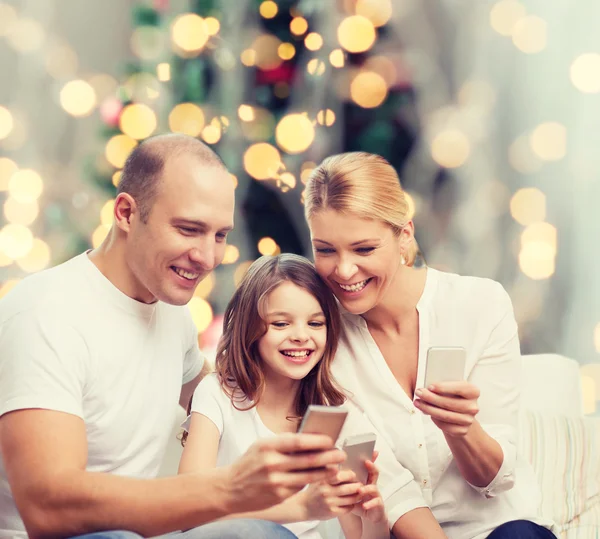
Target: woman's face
(358, 258)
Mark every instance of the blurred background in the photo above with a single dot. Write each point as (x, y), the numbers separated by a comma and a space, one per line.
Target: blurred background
(489, 111)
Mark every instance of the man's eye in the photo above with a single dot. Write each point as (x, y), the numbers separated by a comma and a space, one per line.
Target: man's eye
(187, 230)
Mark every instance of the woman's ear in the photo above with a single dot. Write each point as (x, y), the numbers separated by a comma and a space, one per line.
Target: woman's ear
(407, 235)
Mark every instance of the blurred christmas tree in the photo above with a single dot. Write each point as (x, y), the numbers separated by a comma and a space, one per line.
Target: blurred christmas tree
(274, 87)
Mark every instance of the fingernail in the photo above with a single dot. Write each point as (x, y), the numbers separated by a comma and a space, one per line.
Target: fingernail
(419, 392)
(431, 388)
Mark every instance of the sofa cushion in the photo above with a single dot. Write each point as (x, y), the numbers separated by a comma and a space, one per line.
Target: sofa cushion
(564, 452)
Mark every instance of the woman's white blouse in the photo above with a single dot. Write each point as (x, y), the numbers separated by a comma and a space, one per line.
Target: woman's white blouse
(476, 314)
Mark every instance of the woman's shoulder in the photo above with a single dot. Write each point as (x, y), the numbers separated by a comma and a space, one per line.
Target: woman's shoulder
(459, 287)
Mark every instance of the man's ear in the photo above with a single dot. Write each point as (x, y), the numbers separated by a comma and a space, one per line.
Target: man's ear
(125, 210)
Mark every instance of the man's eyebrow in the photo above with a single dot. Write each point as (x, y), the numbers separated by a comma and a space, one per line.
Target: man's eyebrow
(200, 224)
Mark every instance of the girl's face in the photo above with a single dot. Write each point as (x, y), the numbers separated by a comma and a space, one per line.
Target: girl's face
(357, 258)
(296, 332)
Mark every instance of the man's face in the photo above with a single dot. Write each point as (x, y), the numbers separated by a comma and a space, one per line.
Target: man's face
(185, 235)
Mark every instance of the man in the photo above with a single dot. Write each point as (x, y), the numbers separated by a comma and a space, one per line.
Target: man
(93, 355)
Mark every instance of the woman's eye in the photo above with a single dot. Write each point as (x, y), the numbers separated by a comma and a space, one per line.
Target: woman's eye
(365, 250)
(324, 251)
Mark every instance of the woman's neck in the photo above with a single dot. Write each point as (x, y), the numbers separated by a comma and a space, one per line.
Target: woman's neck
(399, 302)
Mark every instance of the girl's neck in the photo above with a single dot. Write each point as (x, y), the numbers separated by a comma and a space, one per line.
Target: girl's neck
(279, 395)
(399, 302)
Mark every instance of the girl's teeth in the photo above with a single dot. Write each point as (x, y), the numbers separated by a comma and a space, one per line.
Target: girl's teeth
(297, 354)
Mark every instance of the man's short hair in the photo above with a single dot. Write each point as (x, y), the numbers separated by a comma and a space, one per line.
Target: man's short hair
(143, 169)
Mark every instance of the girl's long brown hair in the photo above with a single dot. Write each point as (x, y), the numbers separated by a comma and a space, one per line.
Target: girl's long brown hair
(238, 363)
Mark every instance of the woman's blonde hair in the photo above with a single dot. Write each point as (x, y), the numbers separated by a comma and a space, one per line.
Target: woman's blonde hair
(361, 184)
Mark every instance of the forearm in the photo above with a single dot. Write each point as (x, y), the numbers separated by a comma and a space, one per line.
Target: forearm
(84, 502)
(351, 526)
(418, 524)
(290, 510)
(477, 455)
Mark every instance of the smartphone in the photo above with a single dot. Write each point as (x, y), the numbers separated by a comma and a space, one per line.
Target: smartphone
(445, 364)
(359, 448)
(327, 420)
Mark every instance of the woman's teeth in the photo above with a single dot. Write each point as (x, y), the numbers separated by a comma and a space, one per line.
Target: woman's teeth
(356, 287)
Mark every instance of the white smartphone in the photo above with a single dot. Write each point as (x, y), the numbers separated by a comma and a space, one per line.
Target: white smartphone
(445, 364)
(359, 448)
(327, 420)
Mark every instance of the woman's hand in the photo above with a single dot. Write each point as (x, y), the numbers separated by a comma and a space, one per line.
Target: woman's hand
(333, 498)
(371, 505)
(452, 406)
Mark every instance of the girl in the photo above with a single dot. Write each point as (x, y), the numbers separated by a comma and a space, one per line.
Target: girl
(280, 334)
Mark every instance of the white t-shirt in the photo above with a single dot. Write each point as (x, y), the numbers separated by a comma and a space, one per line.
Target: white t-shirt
(71, 341)
(239, 429)
(476, 314)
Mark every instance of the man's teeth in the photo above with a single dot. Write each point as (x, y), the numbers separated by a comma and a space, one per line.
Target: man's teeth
(186, 274)
(291, 353)
(354, 287)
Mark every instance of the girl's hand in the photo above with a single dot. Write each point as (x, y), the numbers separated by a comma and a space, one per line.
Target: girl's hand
(371, 506)
(452, 406)
(333, 498)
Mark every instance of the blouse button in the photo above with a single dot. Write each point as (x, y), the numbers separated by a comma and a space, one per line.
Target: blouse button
(424, 481)
(420, 446)
(412, 411)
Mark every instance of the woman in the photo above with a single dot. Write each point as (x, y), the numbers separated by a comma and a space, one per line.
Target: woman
(457, 438)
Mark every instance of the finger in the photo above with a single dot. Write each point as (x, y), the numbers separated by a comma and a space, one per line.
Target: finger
(444, 415)
(452, 403)
(462, 389)
(301, 479)
(344, 501)
(314, 459)
(347, 489)
(369, 491)
(373, 472)
(343, 476)
(372, 504)
(293, 442)
(375, 455)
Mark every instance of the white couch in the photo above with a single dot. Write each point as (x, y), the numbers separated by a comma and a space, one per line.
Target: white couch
(562, 445)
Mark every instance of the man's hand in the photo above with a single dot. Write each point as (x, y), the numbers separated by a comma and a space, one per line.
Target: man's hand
(276, 468)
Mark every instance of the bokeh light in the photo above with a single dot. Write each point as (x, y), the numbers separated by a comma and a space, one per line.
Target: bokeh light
(585, 73)
(20, 213)
(26, 35)
(326, 117)
(246, 113)
(267, 55)
(147, 42)
(356, 33)
(205, 286)
(61, 61)
(379, 12)
(521, 156)
(7, 168)
(137, 121)
(107, 212)
(104, 85)
(187, 118)
(268, 246)
(202, 313)
(549, 141)
(99, 235)
(286, 51)
(6, 122)
(7, 286)
(248, 57)
(25, 186)
(212, 25)
(450, 148)
(529, 34)
(368, 89)
(38, 257)
(286, 181)
(189, 33)
(8, 17)
(232, 254)
(528, 206)
(262, 161)
(505, 14)
(240, 271)
(15, 240)
(540, 233)
(116, 178)
(298, 26)
(294, 133)
(313, 41)
(163, 71)
(78, 98)
(118, 149)
(538, 251)
(211, 134)
(336, 58)
(315, 67)
(268, 9)
(597, 337)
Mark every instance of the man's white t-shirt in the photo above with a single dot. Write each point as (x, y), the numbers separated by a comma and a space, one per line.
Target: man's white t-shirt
(71, 341)
(239, 429)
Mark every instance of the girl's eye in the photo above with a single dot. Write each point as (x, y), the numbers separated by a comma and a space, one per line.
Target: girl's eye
(279, 324)
(316, 324)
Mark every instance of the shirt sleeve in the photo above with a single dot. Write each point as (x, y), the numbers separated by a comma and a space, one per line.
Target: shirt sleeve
(497, 374)
(44, 363)
(398, 488)
(208, 400)
(194, 359)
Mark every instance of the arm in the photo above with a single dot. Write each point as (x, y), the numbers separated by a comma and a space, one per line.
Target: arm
(484, 448)
(418, 524)
(187, 389)
(62, 499)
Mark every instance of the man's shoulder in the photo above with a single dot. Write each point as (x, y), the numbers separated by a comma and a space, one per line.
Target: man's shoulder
(53, 291)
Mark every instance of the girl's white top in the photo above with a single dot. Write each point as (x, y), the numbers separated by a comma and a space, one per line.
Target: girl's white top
(476, 314)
